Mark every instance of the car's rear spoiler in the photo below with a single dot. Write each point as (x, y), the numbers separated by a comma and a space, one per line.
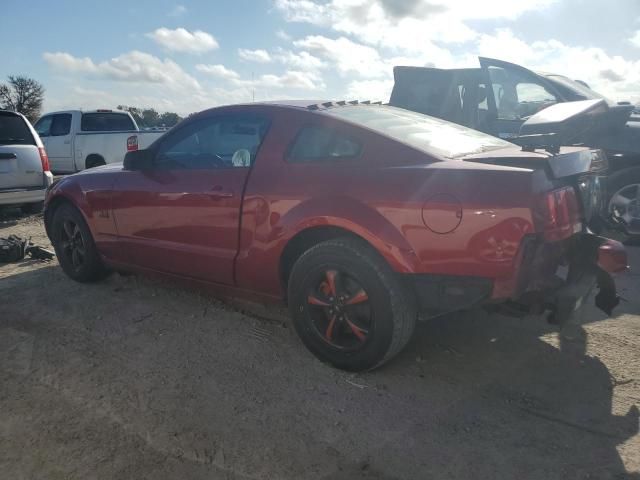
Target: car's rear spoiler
(562, 124)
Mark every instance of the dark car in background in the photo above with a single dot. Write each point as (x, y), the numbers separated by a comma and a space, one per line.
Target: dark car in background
(499, 97)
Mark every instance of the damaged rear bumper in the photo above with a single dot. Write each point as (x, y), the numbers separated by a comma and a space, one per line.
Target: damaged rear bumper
(587, 263)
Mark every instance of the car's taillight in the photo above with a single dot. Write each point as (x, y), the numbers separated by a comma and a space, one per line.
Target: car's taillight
(44, 159)
(132, 143)
(561, 214)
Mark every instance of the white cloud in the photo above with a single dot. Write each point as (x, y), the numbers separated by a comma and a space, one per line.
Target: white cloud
(372, 36)
(610, 75)
(178, 11)
(258, 56)
(404, 24)
(282, 35)
(290, 79)
(347, 55)
(299, 61)
(133, 66)
(182, 40)
(374, 90)
(219, 71)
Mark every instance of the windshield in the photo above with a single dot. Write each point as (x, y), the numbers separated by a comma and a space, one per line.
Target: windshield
(432, 135)
(577, 89)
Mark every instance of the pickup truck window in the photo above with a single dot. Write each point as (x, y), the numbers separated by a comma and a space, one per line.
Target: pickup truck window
(106, 122)
(61, 125)
(43, 126)
(318, 143)
(220, 142)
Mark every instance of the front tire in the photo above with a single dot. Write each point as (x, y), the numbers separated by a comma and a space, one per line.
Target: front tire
(348, 307)
(74, 246)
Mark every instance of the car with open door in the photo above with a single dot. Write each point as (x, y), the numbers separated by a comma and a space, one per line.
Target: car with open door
(358, 216)
(499, 97)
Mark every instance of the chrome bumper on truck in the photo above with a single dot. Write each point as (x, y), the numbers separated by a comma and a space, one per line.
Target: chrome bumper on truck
(585, 261)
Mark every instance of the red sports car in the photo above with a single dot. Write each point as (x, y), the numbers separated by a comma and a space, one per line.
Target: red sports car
(358, 216)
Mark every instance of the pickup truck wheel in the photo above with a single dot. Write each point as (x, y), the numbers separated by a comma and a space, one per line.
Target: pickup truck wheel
(74, 246)
(624, 202)
(348, 307)
(94, 161)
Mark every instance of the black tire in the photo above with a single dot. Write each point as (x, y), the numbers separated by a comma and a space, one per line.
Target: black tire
(71, 236)
(94, 161)
(616, 182)
(31, 208)
(390, 307)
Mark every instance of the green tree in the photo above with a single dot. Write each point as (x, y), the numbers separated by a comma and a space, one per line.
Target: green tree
(24, 95)
(149, 117)
(169, 119)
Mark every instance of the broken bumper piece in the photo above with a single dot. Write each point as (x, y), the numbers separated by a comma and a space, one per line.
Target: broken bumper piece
(591, 263)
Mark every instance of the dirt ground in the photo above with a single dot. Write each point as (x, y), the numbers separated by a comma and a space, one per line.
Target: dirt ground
(133, 378)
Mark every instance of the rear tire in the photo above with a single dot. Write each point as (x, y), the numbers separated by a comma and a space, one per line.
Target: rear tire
(348, 307)
(74, 246)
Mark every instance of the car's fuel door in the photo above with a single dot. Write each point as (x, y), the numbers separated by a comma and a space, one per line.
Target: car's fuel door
(515, 94)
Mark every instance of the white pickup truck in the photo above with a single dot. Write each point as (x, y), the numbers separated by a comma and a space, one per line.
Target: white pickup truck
(75, 139)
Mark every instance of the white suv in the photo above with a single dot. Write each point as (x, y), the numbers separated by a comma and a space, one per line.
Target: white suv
(24, 166)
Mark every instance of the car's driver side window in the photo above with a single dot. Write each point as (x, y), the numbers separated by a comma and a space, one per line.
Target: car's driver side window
(219, 142)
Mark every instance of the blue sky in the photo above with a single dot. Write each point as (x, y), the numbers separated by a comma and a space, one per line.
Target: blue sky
(189, 55)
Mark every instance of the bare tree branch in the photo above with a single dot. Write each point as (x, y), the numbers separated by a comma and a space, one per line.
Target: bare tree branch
(24, 95)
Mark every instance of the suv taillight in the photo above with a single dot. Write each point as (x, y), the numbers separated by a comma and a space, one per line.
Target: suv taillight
(561, 214)
(132, 143)
(44, 159)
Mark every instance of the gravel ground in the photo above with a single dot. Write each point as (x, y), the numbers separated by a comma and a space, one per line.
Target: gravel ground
(134, 378)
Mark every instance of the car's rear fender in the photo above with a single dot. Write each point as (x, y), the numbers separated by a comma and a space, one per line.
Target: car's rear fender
(339, 216)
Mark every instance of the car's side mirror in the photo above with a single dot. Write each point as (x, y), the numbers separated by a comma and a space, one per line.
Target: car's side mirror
(138, 160)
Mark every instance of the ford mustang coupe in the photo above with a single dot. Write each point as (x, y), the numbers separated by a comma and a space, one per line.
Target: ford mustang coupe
(359, 216)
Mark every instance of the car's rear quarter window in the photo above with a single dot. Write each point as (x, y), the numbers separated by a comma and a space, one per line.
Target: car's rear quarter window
(431, 135)
(106, 122)
(317, 143)
(14, 130)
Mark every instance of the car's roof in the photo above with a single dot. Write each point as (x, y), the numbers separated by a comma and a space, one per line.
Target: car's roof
(308, 105)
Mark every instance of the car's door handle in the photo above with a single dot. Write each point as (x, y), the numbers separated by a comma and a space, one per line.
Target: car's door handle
(67, 142)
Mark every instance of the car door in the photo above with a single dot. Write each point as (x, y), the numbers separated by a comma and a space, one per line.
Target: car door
(55, 131)
(182, 215)
(514, 95)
